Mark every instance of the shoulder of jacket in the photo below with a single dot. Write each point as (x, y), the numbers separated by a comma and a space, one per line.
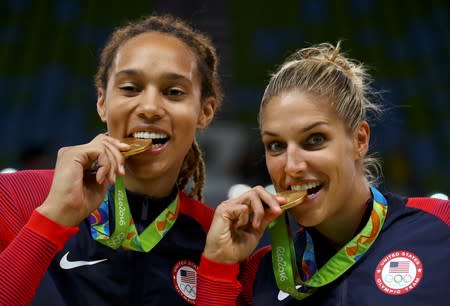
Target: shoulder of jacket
(437, 207)
(197, 210)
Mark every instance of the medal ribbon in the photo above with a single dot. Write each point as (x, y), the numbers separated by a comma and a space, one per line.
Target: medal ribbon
(284, 259)
(125, 234)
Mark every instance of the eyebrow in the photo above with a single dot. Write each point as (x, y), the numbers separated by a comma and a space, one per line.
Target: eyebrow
(303, 130)
(169, 76)
(128, 72)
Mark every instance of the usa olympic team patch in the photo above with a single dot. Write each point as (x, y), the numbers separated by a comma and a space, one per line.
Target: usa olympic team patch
(184, 276)
(398, 272)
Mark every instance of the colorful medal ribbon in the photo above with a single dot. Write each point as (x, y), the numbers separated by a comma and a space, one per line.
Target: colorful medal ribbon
(284, 259)
(125, 234)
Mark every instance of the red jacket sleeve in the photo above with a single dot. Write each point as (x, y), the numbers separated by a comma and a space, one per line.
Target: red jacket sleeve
(217, 283)
(28, 240)
(226, 284)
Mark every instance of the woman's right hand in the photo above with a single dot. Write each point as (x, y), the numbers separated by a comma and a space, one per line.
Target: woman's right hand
(76, 190)
(239, 224)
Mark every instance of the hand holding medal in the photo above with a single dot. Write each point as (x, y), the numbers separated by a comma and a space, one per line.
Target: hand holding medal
(82, 176)
(240, 222)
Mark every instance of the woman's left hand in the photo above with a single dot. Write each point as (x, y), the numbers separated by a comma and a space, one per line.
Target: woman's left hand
(239, 224)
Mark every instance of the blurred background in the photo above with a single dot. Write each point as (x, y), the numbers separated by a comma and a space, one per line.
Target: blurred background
(49, 51)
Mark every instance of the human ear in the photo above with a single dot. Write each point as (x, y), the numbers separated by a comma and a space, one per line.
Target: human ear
(207, 111)
(101, 104)
(361, 139)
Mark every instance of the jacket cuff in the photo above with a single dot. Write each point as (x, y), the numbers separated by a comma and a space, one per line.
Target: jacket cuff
(216, 270)
(50, 230)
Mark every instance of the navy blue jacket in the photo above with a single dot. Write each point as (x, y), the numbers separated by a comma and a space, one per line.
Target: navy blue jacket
(408, 264)
(164, 276)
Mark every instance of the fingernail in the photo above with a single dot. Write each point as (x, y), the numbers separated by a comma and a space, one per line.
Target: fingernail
(94, 167)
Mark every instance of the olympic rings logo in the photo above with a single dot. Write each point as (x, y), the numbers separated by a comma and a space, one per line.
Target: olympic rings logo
(189, 290)
(116, 241)
(398, 279)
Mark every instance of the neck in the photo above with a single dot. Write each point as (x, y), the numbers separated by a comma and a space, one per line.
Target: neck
(156, 188)
(342, 227)
(156, 180)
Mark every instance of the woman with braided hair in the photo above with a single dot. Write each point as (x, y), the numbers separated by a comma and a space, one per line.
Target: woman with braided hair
(112, 224)
(350, 244)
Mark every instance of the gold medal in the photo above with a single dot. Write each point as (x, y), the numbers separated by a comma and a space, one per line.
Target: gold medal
(138, 145)
(293, 198)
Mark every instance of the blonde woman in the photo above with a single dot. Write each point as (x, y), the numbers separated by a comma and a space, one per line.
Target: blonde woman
(353, 245)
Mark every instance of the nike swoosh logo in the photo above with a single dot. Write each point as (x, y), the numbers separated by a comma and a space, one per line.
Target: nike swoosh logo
(65, 264)
(282, 295)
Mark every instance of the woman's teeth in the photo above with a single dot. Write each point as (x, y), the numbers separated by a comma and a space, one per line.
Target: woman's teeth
(148, 135)
(158, 139)
(312, 187)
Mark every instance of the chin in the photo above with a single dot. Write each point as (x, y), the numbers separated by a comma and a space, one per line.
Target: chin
(306, 216)
(307, 223)
(140, 171)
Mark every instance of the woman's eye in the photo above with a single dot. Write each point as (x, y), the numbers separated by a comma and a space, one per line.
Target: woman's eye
(129, 88)
(315, 140)
(275, 147)
(174, 92)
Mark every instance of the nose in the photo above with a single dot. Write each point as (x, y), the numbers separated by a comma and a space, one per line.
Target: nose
(295, 162)
(150, 104)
